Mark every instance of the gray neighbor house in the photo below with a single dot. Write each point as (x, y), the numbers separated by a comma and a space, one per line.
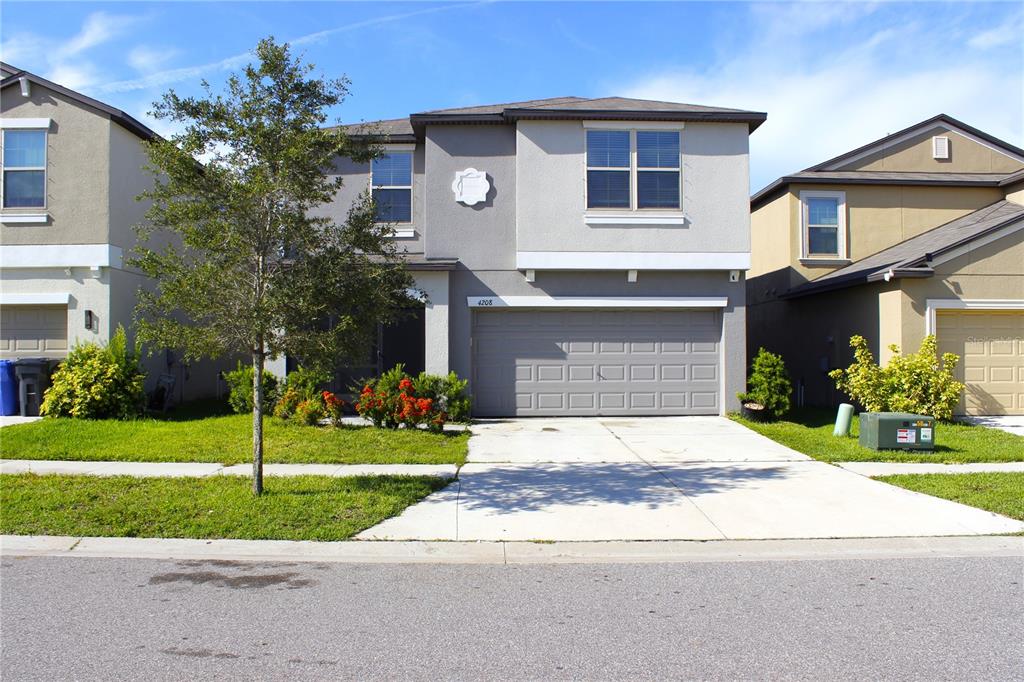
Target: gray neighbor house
(579, 256)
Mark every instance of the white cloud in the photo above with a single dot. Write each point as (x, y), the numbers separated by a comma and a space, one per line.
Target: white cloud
(1009, 32)
(64, 61)
(169, 76)
(838, 99)
(148, 59)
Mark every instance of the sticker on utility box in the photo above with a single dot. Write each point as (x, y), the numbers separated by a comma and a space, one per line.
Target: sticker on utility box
(926, 434)
(906, 435)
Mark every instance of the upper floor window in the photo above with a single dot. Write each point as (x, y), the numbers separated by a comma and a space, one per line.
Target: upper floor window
(392, 187)
(823, 224)
(633, 169)
(24, 168)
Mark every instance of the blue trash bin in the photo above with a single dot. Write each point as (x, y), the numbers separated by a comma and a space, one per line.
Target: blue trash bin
(8, 389)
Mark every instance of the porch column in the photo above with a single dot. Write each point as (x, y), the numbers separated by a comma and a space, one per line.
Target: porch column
(435, 319)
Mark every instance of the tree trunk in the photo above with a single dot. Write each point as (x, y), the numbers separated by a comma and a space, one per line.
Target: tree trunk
(257, 422)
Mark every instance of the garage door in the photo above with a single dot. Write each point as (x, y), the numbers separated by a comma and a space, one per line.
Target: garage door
(33, 331)
(991, 347)
(596, 362)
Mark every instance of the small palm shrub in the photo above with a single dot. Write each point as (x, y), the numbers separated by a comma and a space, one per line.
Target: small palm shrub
(768, 385)
(921, 382)
(240, 389)
(98, 382)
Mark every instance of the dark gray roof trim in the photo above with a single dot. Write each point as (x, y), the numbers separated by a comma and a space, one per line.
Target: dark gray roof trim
(116, 115)
(912, 257)
(877, 178)
(1012, 179)
(940, 118)
(559, 108)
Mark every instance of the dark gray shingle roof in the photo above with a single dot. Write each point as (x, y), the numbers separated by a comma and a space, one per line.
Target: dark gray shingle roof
(914, 253)
(569, 108)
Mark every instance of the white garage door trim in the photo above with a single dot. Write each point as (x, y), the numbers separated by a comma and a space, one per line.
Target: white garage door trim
(597, 302)
(933, 305)
(35, 299)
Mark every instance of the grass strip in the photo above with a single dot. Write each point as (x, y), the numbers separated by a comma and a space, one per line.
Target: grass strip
(299, 508)
(810, 432)
(999, 492)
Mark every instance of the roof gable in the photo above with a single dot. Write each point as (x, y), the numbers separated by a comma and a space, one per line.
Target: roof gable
(940, 122)
(115, 115)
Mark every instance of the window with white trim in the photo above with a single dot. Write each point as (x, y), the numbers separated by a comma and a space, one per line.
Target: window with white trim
(24, 168)
(633, 169)
(823, 219)
(391, 177)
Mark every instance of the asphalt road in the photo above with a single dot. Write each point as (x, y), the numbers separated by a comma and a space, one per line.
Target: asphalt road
(78, 618)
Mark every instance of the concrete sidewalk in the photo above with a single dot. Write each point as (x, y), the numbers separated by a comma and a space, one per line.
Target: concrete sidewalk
(890, 468)
(199, 469)
(510, 552)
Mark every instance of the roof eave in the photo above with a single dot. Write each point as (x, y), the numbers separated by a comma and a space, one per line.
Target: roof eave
(769, 192)
(752, 118)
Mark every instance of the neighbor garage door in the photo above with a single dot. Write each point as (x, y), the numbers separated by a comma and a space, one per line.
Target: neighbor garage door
(596, 362)
(33, 331)
(991, 347)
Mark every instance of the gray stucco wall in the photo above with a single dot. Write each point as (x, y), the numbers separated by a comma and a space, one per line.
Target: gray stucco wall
(551, 185)
(465, 283)
(77, 170)
(355, 179)
(483, 236)
(128, 179)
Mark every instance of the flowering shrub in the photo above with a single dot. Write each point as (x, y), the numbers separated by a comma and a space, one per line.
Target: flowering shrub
(334, 407)
(395, 399)
(920, 382)
(289, 400)
(309, 412)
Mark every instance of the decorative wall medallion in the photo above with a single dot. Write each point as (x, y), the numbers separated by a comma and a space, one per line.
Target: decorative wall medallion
(470, 186)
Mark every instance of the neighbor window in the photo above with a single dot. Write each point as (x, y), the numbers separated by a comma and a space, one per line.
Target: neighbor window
(24, 166)
(620, 160)
(392, 187)
(824, 224)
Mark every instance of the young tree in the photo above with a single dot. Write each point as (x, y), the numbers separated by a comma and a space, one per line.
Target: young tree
(241, 266)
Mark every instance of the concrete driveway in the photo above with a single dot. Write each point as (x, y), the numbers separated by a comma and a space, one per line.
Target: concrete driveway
(662, 478)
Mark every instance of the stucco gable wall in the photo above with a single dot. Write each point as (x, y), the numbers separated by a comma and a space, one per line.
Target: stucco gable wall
(77, 170)
(915, 154)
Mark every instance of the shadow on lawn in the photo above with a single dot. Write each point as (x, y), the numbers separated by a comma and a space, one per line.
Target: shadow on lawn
(514, 489)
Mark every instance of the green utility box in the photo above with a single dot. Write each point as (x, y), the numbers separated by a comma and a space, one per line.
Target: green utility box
(897, 431)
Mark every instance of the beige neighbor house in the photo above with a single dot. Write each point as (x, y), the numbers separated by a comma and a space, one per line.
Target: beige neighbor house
(920, 232)
(72, 168)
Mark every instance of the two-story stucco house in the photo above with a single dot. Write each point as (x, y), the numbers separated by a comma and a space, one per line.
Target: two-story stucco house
(580, 256)
(72, 169)
(920, 232)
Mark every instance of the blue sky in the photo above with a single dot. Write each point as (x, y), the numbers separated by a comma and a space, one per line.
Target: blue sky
(831, 76)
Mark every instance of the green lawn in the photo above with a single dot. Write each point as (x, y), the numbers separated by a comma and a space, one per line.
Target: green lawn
(810, 432)
(1002, 493)
(191, 435)
(300, 508)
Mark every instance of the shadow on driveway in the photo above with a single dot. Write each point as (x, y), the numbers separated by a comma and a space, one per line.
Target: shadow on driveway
(510, 489)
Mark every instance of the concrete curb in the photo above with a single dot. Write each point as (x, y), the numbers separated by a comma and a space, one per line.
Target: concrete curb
(200, 469)
(889, 468)
(417, 552)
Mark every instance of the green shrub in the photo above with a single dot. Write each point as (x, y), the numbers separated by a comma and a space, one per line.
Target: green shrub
(98, 382)
(240, 386)
(307, 382)
(768, 384)
(920, 382)
(309, 412)
(448, 393)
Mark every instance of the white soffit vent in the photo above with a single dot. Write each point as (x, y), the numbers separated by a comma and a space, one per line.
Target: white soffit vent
(940, 147)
